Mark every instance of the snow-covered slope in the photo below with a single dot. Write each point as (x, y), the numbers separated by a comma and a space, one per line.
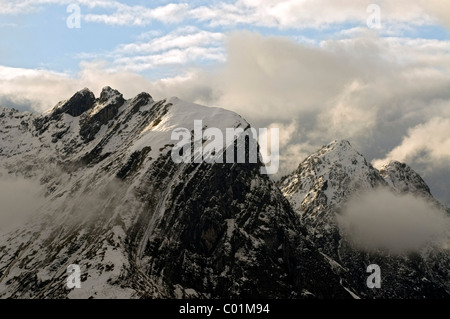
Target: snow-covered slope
(138, 224)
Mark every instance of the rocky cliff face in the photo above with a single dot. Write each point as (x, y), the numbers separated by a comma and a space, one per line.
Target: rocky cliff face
(319, 190)
(139, 225)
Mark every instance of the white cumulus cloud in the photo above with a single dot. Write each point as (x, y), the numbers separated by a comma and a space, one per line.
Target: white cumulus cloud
(382, 220)
(20, 199)
(427, 143)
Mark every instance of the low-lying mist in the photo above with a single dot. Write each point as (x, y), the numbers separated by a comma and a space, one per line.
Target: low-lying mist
(383, 220)
(20, 198)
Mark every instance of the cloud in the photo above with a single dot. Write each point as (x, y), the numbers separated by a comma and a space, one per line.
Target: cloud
(381, 220)
(40, 90)
(141, 15)
(439, 10)
(20, 199)
(284, 14)
(349, 115)
(28, 89)
(369, 89)
(182, 38)
(174, 57)
(307, 14)
(183, 46)
(277, 77)
(137, 15)
(427, 143)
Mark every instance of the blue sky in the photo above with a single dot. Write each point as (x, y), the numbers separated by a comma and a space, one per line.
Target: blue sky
(314, 68)
(37, 36)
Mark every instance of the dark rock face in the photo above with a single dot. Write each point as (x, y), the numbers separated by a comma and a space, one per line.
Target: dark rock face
(77, 104)
(109, 103)
(109, 93)
(232, 239)
(134, 163)
(140, 100)
(410, 276)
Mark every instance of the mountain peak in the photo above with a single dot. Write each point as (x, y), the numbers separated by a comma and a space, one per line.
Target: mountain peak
(338, 146)
(338, 151)
(109, 102)
(140, 100)
(108, 93)
(329, 175)
(79, 103)
(403, 178)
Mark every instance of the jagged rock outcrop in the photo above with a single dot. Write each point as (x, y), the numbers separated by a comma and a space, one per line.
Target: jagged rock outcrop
(76, 105)
(104, 110)
(323, 182)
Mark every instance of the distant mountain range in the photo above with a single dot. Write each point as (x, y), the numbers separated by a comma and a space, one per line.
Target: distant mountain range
(141, 226)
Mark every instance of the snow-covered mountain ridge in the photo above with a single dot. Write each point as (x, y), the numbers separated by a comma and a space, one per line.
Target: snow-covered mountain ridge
(113, 201)
(139, 225)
